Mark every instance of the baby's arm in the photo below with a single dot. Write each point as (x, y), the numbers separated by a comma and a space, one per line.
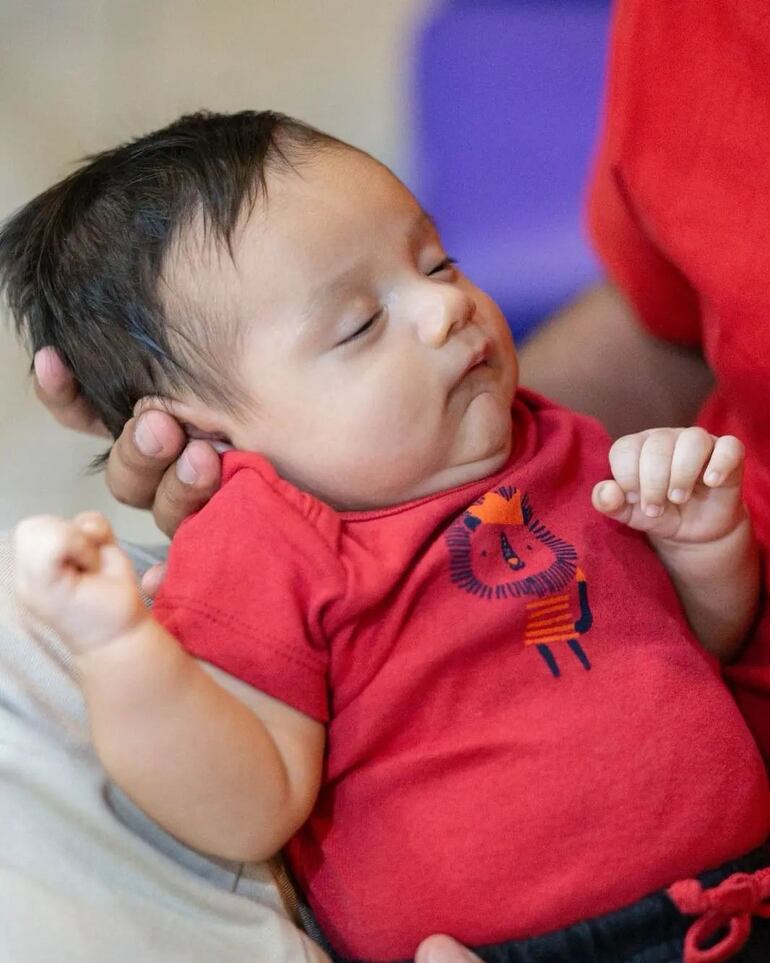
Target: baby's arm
(225, 778)
(682, 486)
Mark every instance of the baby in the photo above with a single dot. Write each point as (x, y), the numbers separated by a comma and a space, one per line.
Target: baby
(399, 642)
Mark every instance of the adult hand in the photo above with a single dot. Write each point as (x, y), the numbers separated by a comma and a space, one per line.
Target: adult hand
(58, 391)
(443, 949)
(152, 465)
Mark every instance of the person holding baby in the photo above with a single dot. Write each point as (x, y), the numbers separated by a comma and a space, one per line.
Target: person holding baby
(426, 564)
(399, 633)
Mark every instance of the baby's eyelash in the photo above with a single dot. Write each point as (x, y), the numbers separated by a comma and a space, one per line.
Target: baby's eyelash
(447, 262)
(441, 266)
(364, 328)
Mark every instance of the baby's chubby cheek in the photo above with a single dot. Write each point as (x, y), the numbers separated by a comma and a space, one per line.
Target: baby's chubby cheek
(505, 350)
(387, 451)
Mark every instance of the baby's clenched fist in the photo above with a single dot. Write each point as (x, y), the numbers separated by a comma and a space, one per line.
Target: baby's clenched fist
(72, 576)
(675, 483)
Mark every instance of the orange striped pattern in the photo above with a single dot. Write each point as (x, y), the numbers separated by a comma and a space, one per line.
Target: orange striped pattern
(549, 620)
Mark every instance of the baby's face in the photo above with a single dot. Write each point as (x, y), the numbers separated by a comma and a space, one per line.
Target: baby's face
(379, 372)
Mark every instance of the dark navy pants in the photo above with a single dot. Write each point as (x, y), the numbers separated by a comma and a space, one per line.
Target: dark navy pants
(650, 931)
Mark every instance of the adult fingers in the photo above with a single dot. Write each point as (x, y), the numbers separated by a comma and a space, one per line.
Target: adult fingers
(187, 486)
(57, 389)
(148, 445)
(443, 949)
(691, 452)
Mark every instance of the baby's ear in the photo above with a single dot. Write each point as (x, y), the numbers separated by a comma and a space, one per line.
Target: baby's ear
(196, 418)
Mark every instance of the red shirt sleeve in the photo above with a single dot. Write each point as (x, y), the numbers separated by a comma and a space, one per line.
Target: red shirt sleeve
(250, 579)
(630, 163)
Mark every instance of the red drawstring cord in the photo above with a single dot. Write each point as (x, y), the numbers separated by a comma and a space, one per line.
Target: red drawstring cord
(728, 907)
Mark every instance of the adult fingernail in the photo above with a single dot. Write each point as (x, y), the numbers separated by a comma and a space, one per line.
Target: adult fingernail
(450, 953)
(40, 361)
(653, 511)
(51, 374)
(185, 471)
(146, 440)
(712, 478)
(677, 495)
(632, 497)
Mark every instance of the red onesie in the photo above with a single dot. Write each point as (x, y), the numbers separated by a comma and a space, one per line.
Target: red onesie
(680, 213)
(521, 731)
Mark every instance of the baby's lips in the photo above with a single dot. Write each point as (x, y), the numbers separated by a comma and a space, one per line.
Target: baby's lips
(479, 356)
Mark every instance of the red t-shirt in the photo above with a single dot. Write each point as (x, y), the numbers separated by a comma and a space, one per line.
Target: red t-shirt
(521, 730)
(680, 213)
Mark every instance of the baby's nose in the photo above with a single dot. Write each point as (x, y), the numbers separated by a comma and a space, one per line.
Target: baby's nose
(449, 310)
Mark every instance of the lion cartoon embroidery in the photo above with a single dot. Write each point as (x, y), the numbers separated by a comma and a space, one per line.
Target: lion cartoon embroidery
(498, 551)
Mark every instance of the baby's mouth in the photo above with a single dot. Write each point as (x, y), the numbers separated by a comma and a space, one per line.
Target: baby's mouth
(479, 359)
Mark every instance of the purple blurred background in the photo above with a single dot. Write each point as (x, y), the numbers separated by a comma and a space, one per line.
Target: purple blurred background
(506, 100)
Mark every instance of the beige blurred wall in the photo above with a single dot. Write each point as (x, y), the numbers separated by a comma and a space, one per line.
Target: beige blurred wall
(80, 75)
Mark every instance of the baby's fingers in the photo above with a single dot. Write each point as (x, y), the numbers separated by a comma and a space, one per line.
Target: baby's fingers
(691, 453)
(115, 564)
(655, 470)
(45, 546)
(624, 464)
(725, 466)
(610, 499)
(95, 526)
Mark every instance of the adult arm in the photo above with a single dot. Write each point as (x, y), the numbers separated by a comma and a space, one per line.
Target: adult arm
(597, 357)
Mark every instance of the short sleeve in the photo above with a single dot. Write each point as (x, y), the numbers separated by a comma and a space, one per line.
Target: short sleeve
(626, 166)
(250, 578)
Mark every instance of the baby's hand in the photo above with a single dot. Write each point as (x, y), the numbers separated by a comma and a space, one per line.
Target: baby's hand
(72, 576)
(675, 483)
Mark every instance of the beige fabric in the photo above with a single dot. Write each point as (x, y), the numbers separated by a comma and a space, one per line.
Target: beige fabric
(83, 875)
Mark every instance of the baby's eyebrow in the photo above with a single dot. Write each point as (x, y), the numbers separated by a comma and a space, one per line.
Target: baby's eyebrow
(323, 293)
(423, 220)
(349, 276)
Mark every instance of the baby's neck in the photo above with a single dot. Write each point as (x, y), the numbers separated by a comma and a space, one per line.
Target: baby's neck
(445, 480)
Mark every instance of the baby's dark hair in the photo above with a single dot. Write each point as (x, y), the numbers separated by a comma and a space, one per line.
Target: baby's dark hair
(80, 265)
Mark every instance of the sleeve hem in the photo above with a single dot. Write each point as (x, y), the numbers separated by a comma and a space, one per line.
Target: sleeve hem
(301, 683)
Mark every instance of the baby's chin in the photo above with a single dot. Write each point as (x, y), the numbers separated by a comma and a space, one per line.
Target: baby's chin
(485, 433)
(487, 461)
(482, 448)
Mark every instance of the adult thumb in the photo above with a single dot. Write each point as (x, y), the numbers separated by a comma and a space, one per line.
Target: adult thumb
(443, 949)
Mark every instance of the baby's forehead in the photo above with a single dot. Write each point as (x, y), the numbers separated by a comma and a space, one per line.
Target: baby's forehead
(331, 189)
(328, 214)
(198, 283)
